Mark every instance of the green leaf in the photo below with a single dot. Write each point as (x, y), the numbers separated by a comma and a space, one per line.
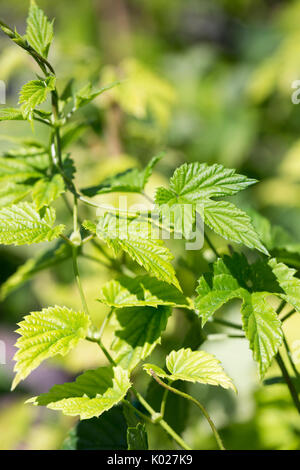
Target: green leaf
(233, 277)
(18, 170)
(288, 282)
(44, 334)
(39, 32)
(137, 437)
(232, 224)
(195, 184)
(129, 181)
(90, 395)
(108, 432)
(46, 191)
(262, 328)
(193, 366)
(86, 94)
(138, 332)
(11, 114)
(34, 93)
(21, 225)
(12, 193)
(141, 291)
(134, 237)
(48, 258)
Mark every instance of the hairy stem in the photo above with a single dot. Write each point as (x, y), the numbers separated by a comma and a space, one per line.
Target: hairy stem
(196, 402)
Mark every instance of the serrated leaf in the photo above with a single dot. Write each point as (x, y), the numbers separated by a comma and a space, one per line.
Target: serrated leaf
(86, 94)
(194, 366)
(90, 395)
(21, 225)
(48, 258)
(13, 193)
(233, 277)
(18, 170)
(47, 190)
(289, 283)
(108, 432)
(39, 32)
(89, 225)
(232, 224)
(130, 181)
(138, 333)
(134, 237)
(195, 184)
(44, 334)
(137, 437)
(262, 328)
(11, 114)
(141, 291)
(35, 93)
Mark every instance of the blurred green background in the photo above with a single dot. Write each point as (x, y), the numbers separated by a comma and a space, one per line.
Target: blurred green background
(208, 81)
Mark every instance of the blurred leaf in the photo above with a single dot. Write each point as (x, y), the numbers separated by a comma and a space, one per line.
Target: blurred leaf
(137, 437)
(11, 114)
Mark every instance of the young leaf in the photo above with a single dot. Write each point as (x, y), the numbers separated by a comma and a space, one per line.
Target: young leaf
(195, 184)
(21, 225)
(34, 93)
(39, 32)
(288, 282)
(48, 258)
(193, 366)
(44, 334)
(86, 94)
(47, 190)
(108, 432)
(134, 237)
(233, 277)
(141, 291)
(11, 114)
(139, 331)
(129, 181)
(90, 395)
(137, 437)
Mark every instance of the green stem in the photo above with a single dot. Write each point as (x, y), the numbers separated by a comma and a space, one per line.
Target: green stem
(78, 281)
(227, 323)
(138, 412)
(164, 402)
(290, 357)
(211, 245)
(288, 381)
(197, 403)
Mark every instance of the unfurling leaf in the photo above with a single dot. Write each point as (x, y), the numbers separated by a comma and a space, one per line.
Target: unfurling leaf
(44, 334)
(39, 32)
(193, 366)
(21, 224)
(90, 395)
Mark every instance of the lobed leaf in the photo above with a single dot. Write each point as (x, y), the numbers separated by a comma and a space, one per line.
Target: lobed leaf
(289, 283)
(21, 224)
(44, 334)
(35, 93)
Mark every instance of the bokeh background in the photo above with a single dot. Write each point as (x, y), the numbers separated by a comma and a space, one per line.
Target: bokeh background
(205, 80)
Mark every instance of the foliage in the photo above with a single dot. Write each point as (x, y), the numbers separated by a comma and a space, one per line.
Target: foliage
(36, 176)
